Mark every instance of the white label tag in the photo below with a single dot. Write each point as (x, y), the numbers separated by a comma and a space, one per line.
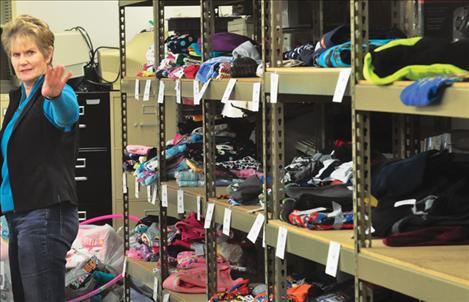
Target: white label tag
(154, 194)
(180, 201)
(199, 206)
(209, 215)
(161, 92)
(164, 195)
(202, 92)
(341, 86)
(333, 258)
(146, 92)
(256, 95)
(148, 194)
(405, 202)
(137, 89)
(263, 237)
(256, 228)
(228, 90)
(137, 189)
(166, 298)
(281, 242)
(227, 222)
(155, 289)
(198, 248)
(178, 91)
(273, 87)
(2, 275)
(124, 183)
(308, 212)
(124, 269)
(195, 88)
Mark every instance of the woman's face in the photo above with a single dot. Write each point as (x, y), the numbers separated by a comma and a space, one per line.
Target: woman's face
(27, 59)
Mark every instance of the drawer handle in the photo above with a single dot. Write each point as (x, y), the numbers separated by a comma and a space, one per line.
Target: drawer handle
(82, 163)
(82, 215)
(81, 178)
(148, 110)
(82, 126)
(144, 125)
(82, 110)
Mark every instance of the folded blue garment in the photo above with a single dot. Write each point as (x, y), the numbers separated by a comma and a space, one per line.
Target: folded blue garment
(208, 69)
(426, 91)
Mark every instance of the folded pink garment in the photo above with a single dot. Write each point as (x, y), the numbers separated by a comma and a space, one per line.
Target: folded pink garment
(245, 173)
(138, 149)
(192, 281)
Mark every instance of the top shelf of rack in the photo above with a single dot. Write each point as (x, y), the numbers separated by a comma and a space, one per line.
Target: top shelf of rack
(125, 3)
(369, 97)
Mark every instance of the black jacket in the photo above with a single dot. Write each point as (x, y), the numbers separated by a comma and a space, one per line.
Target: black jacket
(41, 157)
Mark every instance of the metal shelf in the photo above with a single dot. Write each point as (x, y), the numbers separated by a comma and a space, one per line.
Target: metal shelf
(314, 245)
(305, 80)
(125, 3)
(369, 97)
(241, 92)
(242, 218)
(427, 273)
(143, 272)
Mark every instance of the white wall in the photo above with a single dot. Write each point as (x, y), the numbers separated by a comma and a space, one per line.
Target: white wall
(99, 18)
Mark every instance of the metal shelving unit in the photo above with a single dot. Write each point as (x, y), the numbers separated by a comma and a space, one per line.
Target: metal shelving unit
(427, 273)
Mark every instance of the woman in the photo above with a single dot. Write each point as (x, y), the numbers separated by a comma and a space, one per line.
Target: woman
(38, 145)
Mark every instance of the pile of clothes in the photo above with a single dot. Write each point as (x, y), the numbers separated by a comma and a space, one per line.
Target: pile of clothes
(334, 48)
(319, 190)
(232, 55)
(422, 200)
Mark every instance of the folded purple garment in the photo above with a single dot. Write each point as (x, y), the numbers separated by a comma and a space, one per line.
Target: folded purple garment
(225, 41)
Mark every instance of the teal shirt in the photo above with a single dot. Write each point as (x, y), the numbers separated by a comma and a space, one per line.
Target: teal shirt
(62, 112)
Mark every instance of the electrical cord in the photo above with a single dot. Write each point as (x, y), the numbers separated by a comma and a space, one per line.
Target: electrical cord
(92, 65)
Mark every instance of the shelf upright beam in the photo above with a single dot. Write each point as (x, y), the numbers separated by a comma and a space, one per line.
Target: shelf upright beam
(158, 18)
(257, 16)
(269, 251)
(276, 144)
(361, 144)
(207, 28)
(125, 190)
(318, 19)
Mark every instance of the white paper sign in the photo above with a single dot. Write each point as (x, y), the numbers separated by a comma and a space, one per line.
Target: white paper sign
(148, 194)
(256, 228)
(199, 206)
(273, 87)
(155, 289)
(228, 90)
(178, 91)
(256, 95)
(281, 242)
(166, 298)
(341, 86)
(164, 195)
(137, 189)
(2, 275)
(332, 263)
(209, 215)
(195, 88)
(137, 89)
(227, 222)
(180, 201)
(154, 194)
(124, 183)
(161, 92)
(146, 91)
(202, 92)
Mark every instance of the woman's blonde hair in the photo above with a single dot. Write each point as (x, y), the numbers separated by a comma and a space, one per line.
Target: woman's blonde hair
(29, 27)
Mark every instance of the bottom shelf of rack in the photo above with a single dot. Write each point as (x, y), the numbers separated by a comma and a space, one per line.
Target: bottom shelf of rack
(142, 271)
(429, 273)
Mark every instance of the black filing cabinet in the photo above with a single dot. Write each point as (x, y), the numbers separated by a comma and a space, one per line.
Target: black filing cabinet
(93, 164)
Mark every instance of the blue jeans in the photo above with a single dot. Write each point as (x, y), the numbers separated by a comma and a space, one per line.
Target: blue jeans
(38, 244)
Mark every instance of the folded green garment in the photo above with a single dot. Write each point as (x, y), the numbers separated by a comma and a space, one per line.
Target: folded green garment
(411, 72)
